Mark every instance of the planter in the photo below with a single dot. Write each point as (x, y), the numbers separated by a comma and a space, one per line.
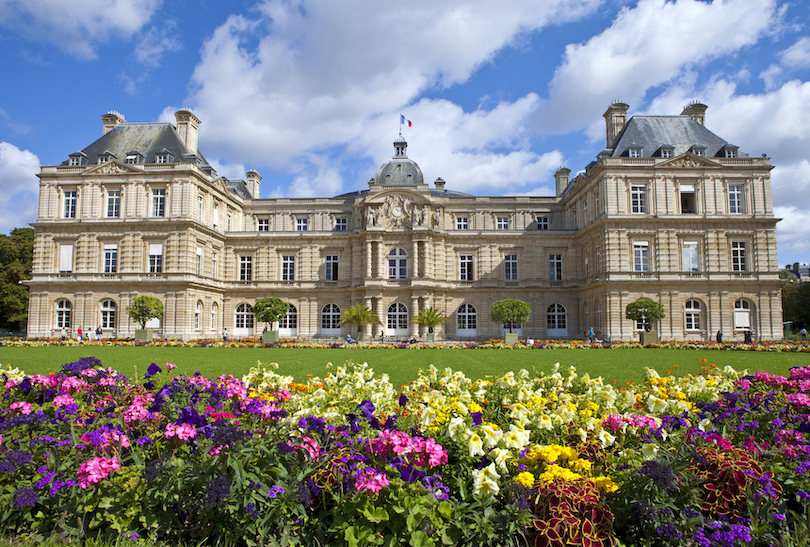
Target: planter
(430, 337)
(143, 335)
(270, 336)
(510, 338)
(648, 337)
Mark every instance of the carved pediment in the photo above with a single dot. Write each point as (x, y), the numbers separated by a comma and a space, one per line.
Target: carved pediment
(112, 167)
(689, 161)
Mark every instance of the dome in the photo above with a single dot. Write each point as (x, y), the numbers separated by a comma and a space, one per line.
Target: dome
(399, 171)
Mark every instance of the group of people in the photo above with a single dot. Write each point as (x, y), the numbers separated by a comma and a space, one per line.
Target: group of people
(82, 336)
(748, 337)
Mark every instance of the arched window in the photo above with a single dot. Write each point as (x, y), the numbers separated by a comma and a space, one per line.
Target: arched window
(742, 315)
(63, 314)
(466, 320)
(197, 314)
(556, 323)
(244, 316)
(397, 319)
(289, 321)
(330, 318)
(214, 310)
(397, 264)
(108, 314)
(692, 309)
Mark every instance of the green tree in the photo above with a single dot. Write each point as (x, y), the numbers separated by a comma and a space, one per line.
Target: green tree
(796, 304)
(16, 258)
(430, 318)
(144, 308)
(270, 310)
(645, 310)
(510, 312)
(360, 315)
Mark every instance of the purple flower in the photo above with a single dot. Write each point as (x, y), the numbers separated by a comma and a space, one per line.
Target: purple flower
(476, 419)
(801, 494)
(275, 491)
(152, 370)
(403, 400)
(25, 497)
(250, 510)
(778, 516)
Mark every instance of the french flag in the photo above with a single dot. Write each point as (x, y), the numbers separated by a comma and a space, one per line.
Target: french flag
(403, 121)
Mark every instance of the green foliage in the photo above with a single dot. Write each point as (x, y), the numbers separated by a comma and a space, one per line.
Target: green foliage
(144, 308)
(360, 315)
(16, 257)
(270, 310)
(645, 310)
(430, 318)
(510, 312)
(796, 304)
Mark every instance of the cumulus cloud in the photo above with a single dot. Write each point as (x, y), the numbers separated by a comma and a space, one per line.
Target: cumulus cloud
(156, 41)
(76, 27)
(19, 186)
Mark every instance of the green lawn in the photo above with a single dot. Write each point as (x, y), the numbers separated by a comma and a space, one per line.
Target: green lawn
(622, 365)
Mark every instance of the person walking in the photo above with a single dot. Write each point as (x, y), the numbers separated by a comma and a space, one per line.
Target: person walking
(803, 332)
(719, 337)
(99, 332)
(79, 333)
(591, 335)
(225, 334)
(63, 334)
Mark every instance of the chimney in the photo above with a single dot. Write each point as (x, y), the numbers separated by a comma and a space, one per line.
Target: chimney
(111, 119)
(254, 180)
(615, 118)
(188, 126)
(439, 183)
(561, 176)
(696, 111)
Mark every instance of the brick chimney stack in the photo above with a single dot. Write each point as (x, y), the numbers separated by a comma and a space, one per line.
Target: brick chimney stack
(254, 180)
(111, 119)
(562, 177)
(615, 118)
(188, 127)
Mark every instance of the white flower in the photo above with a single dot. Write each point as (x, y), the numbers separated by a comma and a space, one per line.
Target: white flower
(656, 405)
(605, 438)
(649, 450)
(491, 435)
(452, 427)
(507, 380)
(485, 480)
(544, 422)
(516, 437)
(476, 445)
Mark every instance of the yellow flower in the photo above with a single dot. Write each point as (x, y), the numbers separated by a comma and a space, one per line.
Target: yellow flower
(525, 479)
(605, 484)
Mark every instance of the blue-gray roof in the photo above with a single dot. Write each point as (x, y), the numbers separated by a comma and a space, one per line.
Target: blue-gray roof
(682, 133)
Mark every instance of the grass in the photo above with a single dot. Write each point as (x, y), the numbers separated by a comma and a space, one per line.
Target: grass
(402, 365)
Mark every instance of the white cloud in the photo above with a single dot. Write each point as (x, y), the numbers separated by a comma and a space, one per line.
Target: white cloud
(77, 26)
(156, 41)
(797, 55)
(19, 186)
(792, 236)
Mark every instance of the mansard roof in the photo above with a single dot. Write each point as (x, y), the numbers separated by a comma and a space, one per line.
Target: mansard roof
(650, 133)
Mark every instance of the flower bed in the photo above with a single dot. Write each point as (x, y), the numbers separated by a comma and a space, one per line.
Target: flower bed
(720, 458)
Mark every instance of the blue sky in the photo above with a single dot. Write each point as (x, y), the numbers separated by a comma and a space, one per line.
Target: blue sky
(309, 92)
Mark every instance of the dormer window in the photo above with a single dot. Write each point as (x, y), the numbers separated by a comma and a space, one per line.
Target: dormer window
(164, 157)
(667, 151)
(634, 152)
(728, 151)
(699, 151)
(105, 157)
(133, 157)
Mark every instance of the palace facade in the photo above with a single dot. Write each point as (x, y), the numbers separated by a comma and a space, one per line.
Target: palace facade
(667, 211)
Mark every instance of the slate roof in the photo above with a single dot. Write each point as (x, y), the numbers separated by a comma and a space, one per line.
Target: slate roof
(679, 132)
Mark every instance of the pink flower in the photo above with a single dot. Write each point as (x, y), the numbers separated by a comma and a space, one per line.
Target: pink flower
(95, 469)
(22, 406)
(183, 432)
(63, 400)
(73, 384)
(107, 382)
(50, 381)
(171, 366)
(311, 446)
(89, 372)
(371, 479)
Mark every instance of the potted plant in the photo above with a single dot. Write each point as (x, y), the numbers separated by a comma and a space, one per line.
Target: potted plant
(360, 315)
(270, 310)
(430, 318)
(141, 310)
(647, 312)
(510, 312)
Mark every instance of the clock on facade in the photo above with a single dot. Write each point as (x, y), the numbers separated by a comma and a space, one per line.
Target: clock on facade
(397, 211)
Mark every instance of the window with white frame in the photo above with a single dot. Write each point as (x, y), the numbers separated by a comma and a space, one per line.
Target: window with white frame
(638, 199)
(108, 314)
(230, 215)
(641, 256)
(200, 204)
(288, 267)
(132, 158)
(263, 224)
(155, 257)
(692, 311)
(341, 224)
(397, 264)
(502, 223)
(69, 209)
(462, 223)
(245, 268)
(466, 318)
(542, 223)
(688, 199)
(735, 199)
(699, 151)
(330, 317)
(331, 267)
(110, 258)
(634, 153)
(575, 217)
(510, 267)
(555, 267)
(63, 313)
(289, 321)
(742, 315)
(666, 151)
(598, 258)
(465, 267)
(397, 317)
(556, 319)
(113, 203)
(301, 224)
(216, 214)
(197, 314)
(163, 158)
(214, 265)
(198, 264)
(690, 256)
(158, 202)
(739, 261)
(214, 310)
(244, 316)
(66, 258)
(75, 160)
(585, 264)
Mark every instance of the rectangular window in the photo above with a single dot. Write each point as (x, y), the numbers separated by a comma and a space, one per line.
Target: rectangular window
(162, 158)
(502, 223)
(245, 268)
(155, 257)
(264, 224)
(598, 258)
(641, 256)
(199, 260)
(331, 267)
(70, 204)
(103, 159)
(216, 214)
(301, 224)
(341, 224)
(555, 267)
(730, 153)
(214, 265)
(596, 204)
(738, 258)
(690, 256)
(466, 267)
(585, 263)
(113, 203)
(229, 221)
(634, 153)
(75, 160)
(542, 223)
(65, 258)
(666, 152)
(510, 271)
(110, 258)
(131, 158)
(638, 199)
(462, 223)
(688, 201)
(159, 202)
(288, 268)
(199, 208)
(735, 204)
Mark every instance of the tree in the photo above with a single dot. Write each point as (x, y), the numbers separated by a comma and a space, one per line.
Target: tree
(645, 310)
(144, 308)
(270, 310)
(510, 312)
(16, 257)
(796, 304)
(430, 318)
(360, 315)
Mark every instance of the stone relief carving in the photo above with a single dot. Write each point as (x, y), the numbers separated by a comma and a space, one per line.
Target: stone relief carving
(111, 169)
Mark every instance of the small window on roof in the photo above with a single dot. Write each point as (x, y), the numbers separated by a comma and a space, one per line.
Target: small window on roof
(699, 151)
(163, 157)
(667, 151)
(634, 152)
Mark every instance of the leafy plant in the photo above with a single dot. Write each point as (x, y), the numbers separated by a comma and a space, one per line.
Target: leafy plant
(510, 312)
(430, 318)
(144, 308)
(645, 310)
(360, 315)
(270, 310)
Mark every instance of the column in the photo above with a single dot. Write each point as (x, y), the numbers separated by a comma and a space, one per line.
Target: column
(369, 258)
(416, 259)
(381, 313)
(368, 329)
(413, 314)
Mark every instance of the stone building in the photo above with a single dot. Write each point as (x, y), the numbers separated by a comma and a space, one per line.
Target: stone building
(667, 211)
